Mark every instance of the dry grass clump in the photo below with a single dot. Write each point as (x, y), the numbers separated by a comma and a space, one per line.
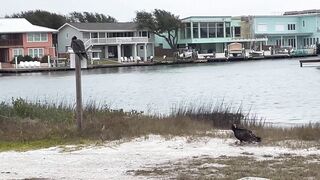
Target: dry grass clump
(218, 115)
(306, 132)
(47, 124)
(26, 122)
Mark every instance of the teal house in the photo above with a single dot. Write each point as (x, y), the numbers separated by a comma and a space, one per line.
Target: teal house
(293, 29)
(213, 33)
(297, 30)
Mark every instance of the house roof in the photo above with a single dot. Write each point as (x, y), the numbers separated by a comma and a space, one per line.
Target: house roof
(190, 17)
(20, 25)
(125, 26)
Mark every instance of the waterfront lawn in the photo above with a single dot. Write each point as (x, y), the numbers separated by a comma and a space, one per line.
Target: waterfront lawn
(105, 61)
(32, 125)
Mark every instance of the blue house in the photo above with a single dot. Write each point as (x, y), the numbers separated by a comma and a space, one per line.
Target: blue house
(296, 30)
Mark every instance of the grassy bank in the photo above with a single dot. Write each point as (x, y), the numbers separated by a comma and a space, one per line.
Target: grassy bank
(28, 125)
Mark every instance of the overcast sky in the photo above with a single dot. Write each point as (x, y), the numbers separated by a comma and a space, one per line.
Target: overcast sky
(124, 10)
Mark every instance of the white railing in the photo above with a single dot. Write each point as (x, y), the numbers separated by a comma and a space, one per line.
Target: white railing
(116, 40)
(87, 43)
(248, 39)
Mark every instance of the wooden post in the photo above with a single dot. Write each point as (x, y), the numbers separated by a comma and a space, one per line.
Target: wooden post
(16, 61)
(78, 92)
(49, 61)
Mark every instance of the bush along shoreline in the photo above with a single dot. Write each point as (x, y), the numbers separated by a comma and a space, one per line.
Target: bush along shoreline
(28, 125)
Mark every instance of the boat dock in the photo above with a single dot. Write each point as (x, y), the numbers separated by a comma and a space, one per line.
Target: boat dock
(309, 61)
(67, 68)
(154, 63)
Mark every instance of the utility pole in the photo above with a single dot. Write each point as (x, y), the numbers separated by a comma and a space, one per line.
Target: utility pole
(78, 91)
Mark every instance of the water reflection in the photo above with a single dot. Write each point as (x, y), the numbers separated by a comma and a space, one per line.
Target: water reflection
(278, 90)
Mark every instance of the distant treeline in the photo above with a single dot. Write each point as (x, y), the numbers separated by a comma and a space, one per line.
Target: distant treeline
(54, 20)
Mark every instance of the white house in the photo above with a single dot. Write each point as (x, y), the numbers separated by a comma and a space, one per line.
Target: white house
(108, 40)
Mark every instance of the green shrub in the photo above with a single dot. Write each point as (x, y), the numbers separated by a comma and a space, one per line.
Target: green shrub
(36, 59)
(27, 58)
(19, 58)
(44, 59)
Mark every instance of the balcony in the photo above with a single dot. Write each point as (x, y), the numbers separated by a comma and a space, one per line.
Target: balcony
(11, 40)
(116, 40)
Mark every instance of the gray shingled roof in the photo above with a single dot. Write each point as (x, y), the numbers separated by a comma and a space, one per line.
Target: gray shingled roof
(130, 26)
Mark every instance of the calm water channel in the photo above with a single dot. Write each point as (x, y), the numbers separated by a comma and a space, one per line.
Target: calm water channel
(278, 90)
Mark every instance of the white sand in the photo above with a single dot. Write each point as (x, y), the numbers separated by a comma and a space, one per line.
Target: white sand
(112, 161)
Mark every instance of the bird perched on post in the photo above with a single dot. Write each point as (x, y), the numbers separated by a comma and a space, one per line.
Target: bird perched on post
(244, 135)
(78, 47)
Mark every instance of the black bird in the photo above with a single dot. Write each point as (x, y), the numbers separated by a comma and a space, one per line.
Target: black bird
(244, 135)
(78, 47)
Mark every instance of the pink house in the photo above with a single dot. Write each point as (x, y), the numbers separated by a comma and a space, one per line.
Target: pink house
(20, 37)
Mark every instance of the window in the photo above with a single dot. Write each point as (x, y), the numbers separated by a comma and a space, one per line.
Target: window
(304, 42)
(212, 30)
(317, 40)
(37, 37)
(314, 41)
(308, 42)
(44, 37)
(303, 23)
(17, 52)
(278, 42)
(292, 42)
(120, 34)
(30, 37)
(237, 31)
(291, 27)
(96, 55)
(228, 29)
(111, 35)
(188, 30)
(220, 30)
(4, 36)
(144, 34)
(94, 35)
(102, 35)
(36, 52)
(195, 30)
(86, 35)
(183, 32)
(141, 34)
(203, 30)
(126, 34)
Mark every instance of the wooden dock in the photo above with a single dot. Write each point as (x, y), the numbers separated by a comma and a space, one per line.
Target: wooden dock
(47, 69)
(309, 61)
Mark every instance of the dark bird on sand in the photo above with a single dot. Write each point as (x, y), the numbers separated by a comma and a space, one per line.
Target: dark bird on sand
(244, 135)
